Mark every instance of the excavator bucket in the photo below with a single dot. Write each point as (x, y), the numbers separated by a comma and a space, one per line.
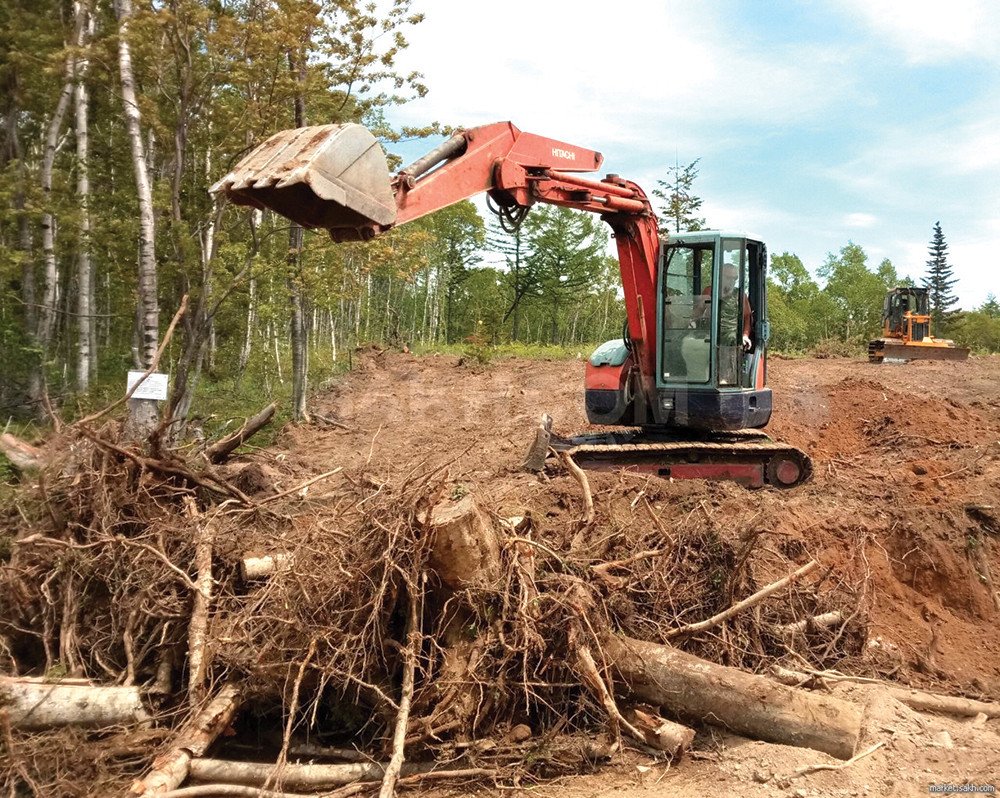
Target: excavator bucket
(329, 176)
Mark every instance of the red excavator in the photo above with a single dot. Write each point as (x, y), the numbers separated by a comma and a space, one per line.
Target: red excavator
(688, 378)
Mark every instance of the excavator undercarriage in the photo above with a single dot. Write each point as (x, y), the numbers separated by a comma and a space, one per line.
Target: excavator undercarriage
(748, 457)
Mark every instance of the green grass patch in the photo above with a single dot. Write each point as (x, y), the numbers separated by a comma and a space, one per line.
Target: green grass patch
(508, 351)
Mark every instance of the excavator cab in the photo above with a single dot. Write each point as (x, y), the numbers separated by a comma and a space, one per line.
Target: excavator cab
(710, 341)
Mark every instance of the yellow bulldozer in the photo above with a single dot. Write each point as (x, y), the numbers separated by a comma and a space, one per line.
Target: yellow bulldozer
(906, 331)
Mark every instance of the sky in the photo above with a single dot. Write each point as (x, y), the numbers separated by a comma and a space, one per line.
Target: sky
(817, 122)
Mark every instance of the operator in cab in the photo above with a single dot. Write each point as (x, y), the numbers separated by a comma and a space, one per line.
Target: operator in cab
(731, 341)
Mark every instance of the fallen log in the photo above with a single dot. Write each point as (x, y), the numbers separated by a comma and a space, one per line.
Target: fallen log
(22, 455)
(750, 705)
(920, 700)
(294, 776)
(32, 705)
(222, 449)
(192, 740)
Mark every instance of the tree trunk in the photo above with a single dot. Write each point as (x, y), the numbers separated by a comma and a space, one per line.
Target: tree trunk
(84, 281)
(296, 236)
(246, 349)
(46, 318)
(744, 703)
(37, 705)
(142, 412)
(28, 294)
(300, 354)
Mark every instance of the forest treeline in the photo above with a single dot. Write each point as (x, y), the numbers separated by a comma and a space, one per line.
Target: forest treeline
(117, 116)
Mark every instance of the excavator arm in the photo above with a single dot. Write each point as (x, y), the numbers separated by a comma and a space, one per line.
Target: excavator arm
(336, 177)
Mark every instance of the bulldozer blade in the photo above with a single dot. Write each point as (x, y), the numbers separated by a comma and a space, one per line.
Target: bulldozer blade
(911, 352)
(329, 176)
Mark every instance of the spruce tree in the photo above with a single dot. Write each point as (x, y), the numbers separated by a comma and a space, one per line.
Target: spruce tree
(939, 280)
(680, 205)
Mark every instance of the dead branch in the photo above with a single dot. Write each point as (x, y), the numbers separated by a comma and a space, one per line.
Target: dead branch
(805, 771)
(388, 788)
(192, 740)
(301, 486)
(790, 631)
(261, 567)
(222, 449)
(756, 598)
(296, 776)
(581, 477)
(920, 700)
(198, 626)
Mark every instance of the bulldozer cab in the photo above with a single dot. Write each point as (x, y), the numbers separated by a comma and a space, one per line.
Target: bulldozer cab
(902, 301)
(712, 310)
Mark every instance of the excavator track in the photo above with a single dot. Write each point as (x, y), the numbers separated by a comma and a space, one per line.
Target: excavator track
(746, 456)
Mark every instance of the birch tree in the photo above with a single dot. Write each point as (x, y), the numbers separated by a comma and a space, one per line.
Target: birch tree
(142, 412)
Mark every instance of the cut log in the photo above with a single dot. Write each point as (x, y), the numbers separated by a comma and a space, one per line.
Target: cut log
(192, 740)
(535, 459)
(466, 551)
(222, 449)
(31, 705)
(660, 733)
(22, 455)
(753, 706)
(790, 631)
(263, 566)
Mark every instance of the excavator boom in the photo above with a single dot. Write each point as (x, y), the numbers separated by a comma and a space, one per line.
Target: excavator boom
(336, 177)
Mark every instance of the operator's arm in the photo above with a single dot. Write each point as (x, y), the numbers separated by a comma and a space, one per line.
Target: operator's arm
(747, 323)
(701, 309)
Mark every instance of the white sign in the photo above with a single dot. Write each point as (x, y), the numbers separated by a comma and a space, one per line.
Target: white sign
(153, 387)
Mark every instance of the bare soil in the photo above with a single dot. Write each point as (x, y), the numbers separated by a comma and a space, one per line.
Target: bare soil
(904, 506)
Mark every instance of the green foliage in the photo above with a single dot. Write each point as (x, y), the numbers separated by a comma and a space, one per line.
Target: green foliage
(940, 282)
(979, 329)
(858, 293)
(679, 205)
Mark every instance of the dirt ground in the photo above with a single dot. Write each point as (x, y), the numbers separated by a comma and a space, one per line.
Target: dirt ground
(906, 492)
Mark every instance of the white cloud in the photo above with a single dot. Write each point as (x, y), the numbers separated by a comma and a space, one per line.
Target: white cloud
(656, 77)
(860, 220)
(930, 31)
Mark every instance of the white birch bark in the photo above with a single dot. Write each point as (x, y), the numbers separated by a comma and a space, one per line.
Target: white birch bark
(142, 412)
(84, 281)
(46, 318)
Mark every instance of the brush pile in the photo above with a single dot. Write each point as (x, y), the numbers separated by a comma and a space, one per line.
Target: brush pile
(346, 632)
